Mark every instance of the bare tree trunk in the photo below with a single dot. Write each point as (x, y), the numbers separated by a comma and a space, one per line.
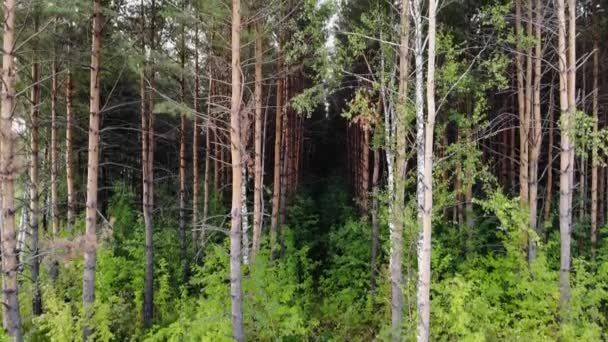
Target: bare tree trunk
(535, 129)
(258, 194)
(90, 247)
(425, 166)
(236, 293)
(208, 133)
(549, 189)
(182, 160)
(523, 104)
(69, 150)
(34, 173)
(285, 186)
(148, 304)
(54, 148)
(195, 135)
(276, 194)
(566, 56)
(595, 110)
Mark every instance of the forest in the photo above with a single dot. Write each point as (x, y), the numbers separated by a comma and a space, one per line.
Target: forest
(304, 170)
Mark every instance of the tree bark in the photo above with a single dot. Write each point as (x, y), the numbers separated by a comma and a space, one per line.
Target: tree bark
(195, 135)
(236, 293)
(54, 147)
(148, 304)
(90, 247)
(208, 132)
(276, 193)
(425, 167)
(34, 175)
(595, 110)
(549, 189)
(522, 105)
(535, 129)
(258, 195)
(566, 57)
(182, 160)
(69, 149)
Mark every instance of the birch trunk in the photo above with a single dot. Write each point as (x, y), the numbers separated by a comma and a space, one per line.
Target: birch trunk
(236, 293)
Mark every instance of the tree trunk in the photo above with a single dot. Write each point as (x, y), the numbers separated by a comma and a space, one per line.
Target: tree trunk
(90, 247)
(69, 150)
(208, 133)
(258, 195)
(148, 304)
(236, 293)
(549, 189)
(54, 148)
(34, 173)
(276, 193)
(566, 55)
(425, 167)
(522, 105)
(595, 110)
(195, 135)
(535, 129)
(182, 161)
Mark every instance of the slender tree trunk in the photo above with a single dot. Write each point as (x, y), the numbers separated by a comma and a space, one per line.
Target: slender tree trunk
(34, 173)
(182, 161)
(595, 110)
(566, 57)
(425, 167)
(236, 293)
(522, 105)
(195, 135)
(90, 247)
(54, 148)
(69, 150)
(276, 194)
(535, 129)
(208, 133)
(285, 186)
(148, 304)
(549, 189)
(258, 195)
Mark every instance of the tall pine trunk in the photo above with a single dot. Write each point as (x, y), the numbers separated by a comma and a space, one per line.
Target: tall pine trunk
(54, 148)
(90, 247)
(258, 195)
(276, 194)
(595, 110)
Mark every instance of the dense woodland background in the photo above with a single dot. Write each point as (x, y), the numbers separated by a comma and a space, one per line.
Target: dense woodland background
(292, 170)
